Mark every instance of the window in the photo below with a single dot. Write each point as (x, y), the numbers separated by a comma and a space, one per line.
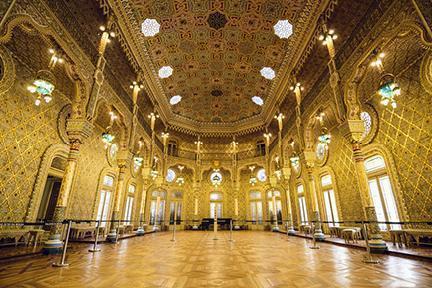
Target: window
(277, 203)
(302, 204)
(256, 210)
(176, 201)
(260, 148)
(157, 207)
(171, 175)
(329, 200)
(129, 204)
(172, 148)
(367, 123)
(216, 178)
(113, 151)
(215, 204)
(381, 192)
(105, 199)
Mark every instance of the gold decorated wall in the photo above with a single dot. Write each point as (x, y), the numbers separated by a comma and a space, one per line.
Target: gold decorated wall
(26, 131)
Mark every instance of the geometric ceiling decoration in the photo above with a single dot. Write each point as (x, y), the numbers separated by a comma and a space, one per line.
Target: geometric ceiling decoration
(165, 72)
(217, 20)
(218, 49)
(268, 73)
(150, 27)
(283, 29)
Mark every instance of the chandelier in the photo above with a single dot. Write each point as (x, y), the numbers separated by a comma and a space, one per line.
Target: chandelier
(138, 159)
(325, 136)
(388, 90)
(44, 84)
(295, 159)
(107, 136)
(180, 179)
(252, 180)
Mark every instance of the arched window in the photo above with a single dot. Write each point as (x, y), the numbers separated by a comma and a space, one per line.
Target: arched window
(261, 175)
(274, 203)
(171, 175)
(216, 204)
(302, 204)
(381, 192)
(260, 148)
(157, 207)
(172, 148)
(129, 203)
(105, 199)
(176, 200)
(329, 200)
(256, 210)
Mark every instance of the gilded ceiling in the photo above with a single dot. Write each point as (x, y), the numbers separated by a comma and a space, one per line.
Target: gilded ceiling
(217, 49)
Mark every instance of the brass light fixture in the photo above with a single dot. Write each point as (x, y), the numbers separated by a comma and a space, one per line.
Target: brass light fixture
(180, 179)
(388, 88)
(252, 178)
(107, 136)
(44, 84)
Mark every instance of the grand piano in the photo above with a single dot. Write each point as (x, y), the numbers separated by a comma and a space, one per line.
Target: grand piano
(207, 223)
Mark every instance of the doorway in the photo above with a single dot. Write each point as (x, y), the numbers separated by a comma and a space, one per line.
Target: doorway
(49, 198)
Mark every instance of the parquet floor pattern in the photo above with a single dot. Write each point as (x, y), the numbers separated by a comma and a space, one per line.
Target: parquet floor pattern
(255, 259)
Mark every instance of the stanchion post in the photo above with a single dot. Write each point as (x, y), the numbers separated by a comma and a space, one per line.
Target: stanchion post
(62, 263)
(287, 228)
(215, 228)
(95, 244)
(231, 230)
(175, 223)
(117, 231)
(368, 258)
(315, 246)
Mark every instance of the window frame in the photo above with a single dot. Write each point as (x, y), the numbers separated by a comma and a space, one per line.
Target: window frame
(376, 175)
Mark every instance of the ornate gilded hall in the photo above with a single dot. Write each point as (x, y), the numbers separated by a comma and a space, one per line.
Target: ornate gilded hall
(216, 143)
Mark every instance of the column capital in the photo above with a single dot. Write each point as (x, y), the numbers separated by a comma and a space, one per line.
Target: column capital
(309, 156)
(78, 130)
(124, 158)
(352, 130)
(286, 172)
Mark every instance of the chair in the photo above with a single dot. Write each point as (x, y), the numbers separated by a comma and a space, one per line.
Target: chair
(350, 234)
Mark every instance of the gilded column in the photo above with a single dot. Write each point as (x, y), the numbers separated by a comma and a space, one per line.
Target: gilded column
(376, 242)
(77, 130)
(318, 234)
(145, 186)
(116, 214)
(98, 75)
(328, 38)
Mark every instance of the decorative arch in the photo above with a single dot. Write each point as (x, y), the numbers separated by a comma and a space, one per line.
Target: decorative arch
(9, 72)
(351, 96)
(326, 170)
(55, 150)
(426, 72)
(382, 150)
(76, 73)
(105, 171)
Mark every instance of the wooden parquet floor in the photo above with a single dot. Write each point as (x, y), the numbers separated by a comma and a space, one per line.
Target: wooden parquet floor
(255, 259)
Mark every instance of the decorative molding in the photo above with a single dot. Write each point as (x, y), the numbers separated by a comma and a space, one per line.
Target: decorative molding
(7, 72)
(51, 152)
(426, 72)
